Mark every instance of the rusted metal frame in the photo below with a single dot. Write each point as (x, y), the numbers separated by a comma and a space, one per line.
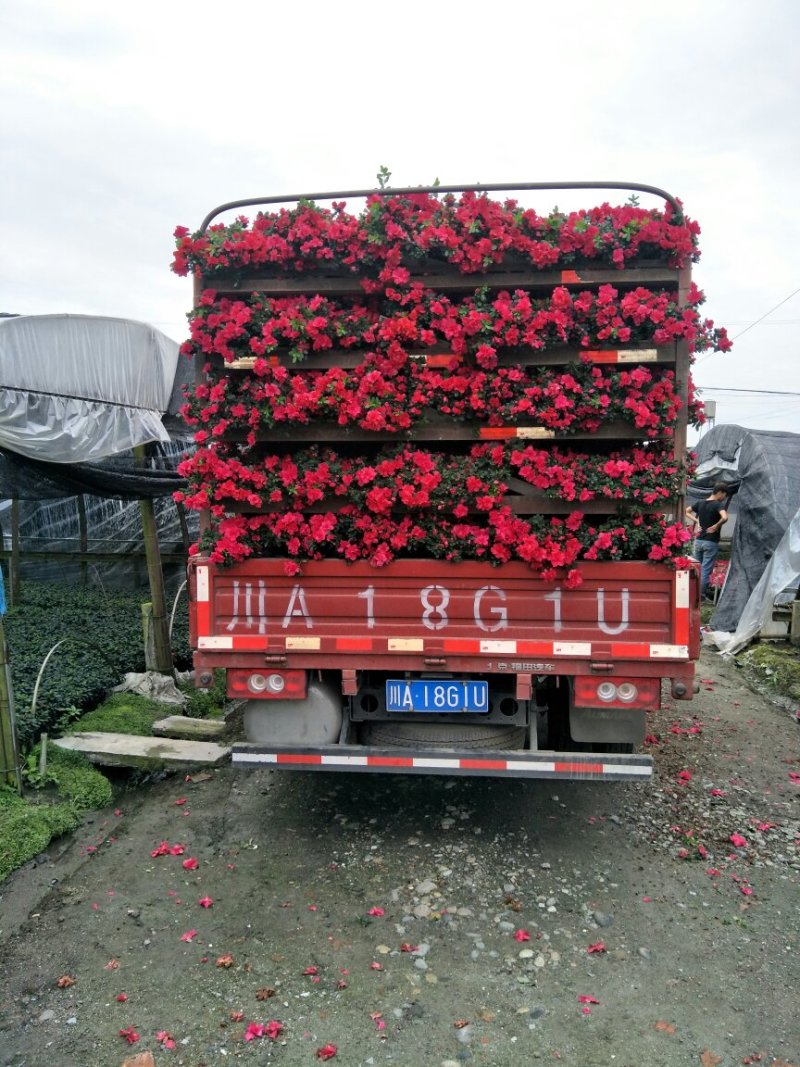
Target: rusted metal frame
(429, 431)
(348, 358)
(410, 190)
(235, 284)
(522, 504)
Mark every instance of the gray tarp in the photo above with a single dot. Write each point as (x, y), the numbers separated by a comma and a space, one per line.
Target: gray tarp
(781, 571)
(766, 466)
(78, 388)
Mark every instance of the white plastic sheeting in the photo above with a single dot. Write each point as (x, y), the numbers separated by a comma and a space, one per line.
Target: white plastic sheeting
(781, 571)
(77, 388)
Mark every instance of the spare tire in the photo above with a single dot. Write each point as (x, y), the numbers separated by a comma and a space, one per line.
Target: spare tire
(444, 735)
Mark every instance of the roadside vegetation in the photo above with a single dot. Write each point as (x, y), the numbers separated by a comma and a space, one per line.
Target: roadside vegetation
(102, 641)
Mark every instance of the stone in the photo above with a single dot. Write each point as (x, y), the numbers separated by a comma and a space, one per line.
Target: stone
(182, 726)
(147, 753)
(141, 1059)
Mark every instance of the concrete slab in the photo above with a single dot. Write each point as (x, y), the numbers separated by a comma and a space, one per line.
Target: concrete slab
(125, 750)
(190, 729)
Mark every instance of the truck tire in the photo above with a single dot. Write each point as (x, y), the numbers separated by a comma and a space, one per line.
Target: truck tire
(443, 735)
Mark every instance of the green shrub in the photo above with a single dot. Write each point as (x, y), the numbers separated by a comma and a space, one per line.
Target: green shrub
(206, 703)
(104, 642)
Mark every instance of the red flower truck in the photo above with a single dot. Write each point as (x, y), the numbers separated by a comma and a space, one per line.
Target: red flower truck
(440, 454)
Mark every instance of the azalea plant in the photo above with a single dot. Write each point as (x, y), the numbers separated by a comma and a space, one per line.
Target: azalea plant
(472, 231)
(404, 356)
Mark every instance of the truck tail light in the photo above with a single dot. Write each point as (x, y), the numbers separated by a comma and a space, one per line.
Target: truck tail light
(267, 685)
(621, 693)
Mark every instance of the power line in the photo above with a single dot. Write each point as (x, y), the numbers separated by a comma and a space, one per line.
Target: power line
(766, 314)
(730, 389)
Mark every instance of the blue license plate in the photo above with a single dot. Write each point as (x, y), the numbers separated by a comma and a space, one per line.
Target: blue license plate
(440, 696)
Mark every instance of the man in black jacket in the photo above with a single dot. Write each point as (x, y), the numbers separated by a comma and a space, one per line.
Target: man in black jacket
(708, 518)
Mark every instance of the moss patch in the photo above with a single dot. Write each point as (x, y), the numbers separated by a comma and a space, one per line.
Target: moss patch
(26, 829)
(775, 667)
(29, 824)
(121, 713)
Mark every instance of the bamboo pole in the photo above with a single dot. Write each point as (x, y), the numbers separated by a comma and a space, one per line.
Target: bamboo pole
(9, 758)
(162, 653)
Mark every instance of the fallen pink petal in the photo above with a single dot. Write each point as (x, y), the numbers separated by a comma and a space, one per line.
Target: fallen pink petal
(326, 1052)
(598, 946)
(165, 1039)
(205, 902)
(191, 864)
(130, 1035)
(122, 997)
(685, 776)
(177, 850)
(376, 912)
(180, 801)
(738, 841)
(375, 966)
(585, 998)
(190, 935)
(521, 935)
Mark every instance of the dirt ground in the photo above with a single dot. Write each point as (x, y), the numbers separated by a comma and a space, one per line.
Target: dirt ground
(429, 921)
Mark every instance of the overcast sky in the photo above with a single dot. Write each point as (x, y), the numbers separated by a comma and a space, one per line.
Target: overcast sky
(120, 121)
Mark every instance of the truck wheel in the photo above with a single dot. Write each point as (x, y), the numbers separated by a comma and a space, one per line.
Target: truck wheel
(443, 735)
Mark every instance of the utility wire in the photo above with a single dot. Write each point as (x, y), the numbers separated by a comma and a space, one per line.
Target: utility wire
(731, 389)
(765, 315)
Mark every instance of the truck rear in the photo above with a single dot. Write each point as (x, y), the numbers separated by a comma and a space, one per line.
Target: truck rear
(441, 447)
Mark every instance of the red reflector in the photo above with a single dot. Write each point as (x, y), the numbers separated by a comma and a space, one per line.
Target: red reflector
(579, 768)
(297, 757)
(483, 764)
(390, 761)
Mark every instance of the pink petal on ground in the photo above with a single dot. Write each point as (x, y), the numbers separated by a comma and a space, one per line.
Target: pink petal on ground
(191, 864)
(738, 841)
(584, 998)
(190, 935)
(376, 912)
(521, 935)
(205, 902)
(598, 946)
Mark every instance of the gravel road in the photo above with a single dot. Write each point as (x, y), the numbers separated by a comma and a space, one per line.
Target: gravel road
(290, 918)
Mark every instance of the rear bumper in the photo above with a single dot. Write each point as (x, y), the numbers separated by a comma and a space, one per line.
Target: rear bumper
(583, 766)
